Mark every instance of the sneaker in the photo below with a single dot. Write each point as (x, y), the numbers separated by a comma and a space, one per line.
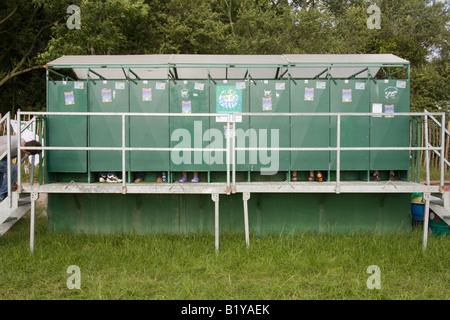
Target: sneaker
(138, 180)
(182, 180)
(159, 179)
(375, 177)
(113, 179)
(102, 179)
(196, 179)
(393, 177)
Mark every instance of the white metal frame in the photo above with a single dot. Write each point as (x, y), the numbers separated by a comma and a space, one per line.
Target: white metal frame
(247, 188)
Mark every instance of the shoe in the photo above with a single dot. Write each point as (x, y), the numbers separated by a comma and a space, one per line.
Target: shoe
(102, 179)
(319, 177)
(113, 179)
(182, 180)
(393, 177)
(14, 187)
(294, 178)
(311, 178)
(375, 177)
(196, 179)
(138, 180)
(159, 179)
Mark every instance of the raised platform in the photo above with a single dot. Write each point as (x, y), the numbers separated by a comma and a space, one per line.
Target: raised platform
(240, 187)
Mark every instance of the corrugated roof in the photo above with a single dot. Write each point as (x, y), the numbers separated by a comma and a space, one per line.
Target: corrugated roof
(344, 59)
(192, 66)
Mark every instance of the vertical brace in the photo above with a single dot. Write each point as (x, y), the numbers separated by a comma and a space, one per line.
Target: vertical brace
(245, 198)
(8, 157)
(233, 154)
(228, 138)
(442, 167)
(19, 164)
(338, 155)
(33, 197)
(427, 153)
(215, 198)
(124, 187)
(426, 217)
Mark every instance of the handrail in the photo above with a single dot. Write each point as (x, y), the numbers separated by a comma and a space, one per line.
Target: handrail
(231, 147)
(441, 155)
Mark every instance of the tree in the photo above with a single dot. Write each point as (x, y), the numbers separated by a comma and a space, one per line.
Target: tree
(107, 27)
(24, 28)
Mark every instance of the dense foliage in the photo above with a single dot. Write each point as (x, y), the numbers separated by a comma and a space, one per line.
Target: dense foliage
(34, 32)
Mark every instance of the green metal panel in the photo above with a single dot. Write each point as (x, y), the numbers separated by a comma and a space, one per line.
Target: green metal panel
(106, 131)
(270, 96)
(188, 97)
(228, 96)
(62, 131)
(388, 130)
(310, 96)
(268, 213)
(350, 96)
(149, 96)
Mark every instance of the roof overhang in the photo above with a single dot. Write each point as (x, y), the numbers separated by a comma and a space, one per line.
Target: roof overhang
(190, 66)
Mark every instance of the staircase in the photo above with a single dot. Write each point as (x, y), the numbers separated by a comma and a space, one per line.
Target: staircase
(21, 204)
(440, 205)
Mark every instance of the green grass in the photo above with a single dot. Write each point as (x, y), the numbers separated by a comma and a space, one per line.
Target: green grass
(176, 267)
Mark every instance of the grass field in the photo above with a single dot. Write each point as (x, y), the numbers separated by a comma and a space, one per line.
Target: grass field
(175, 267)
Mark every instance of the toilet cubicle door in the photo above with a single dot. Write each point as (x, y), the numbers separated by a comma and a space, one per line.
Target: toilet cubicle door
(350, 96)
(189, 97)
(388, 130)
(67, 131)
(270, 96)
(106, 131)
(310, 96)
(149, 96)
(229, 96)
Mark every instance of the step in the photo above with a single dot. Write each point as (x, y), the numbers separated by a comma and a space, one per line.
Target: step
(442, 212)
(15, 216)
(10, 215)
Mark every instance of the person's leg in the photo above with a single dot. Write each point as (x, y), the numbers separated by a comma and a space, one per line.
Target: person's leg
(184, 178)
(392, 175)
(311, 175)
(195, 179)
(138, 177)
(375, 176)
(294, 176)
(4, 182)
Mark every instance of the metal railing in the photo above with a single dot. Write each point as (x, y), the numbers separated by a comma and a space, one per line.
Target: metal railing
(231, 143)
(441, 154)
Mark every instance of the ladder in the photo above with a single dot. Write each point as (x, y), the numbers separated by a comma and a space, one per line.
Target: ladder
(21, 204)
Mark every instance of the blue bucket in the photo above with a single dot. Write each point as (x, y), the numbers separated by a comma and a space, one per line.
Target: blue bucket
(417, 211)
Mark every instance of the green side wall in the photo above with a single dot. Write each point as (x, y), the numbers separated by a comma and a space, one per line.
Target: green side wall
(268, 213)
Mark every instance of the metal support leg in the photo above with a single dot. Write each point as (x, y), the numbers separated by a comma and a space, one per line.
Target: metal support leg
(215, 198)
(33, 197)
(426, 216)
(245, 197)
